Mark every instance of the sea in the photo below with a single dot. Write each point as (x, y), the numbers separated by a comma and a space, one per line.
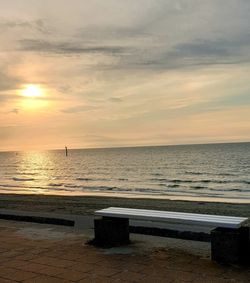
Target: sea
(212, 172)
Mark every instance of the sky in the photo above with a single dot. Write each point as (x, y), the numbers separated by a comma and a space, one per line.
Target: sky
(94, 73)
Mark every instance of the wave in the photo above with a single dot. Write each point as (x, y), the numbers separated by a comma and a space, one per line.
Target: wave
(231, 190)
(72, 186)
(194, 173)
(224, 181)
(84, 179)
(224, 174)
(16, 189)
(99, 188)
(26, 173)
(10, 186)
(177, 181)
(173, 186)
(181, 181)
(61, 189)
(210, 174)
(23, 179)
(55, 184)
(91, 179)
(198, 187)
(171, 180)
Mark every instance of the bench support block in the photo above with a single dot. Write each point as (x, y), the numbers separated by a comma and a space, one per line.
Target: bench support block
(111, 231)
(230, 245)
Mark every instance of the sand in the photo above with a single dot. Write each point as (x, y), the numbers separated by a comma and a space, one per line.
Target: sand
(86, 205)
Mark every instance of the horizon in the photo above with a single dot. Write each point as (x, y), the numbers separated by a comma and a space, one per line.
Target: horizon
(124, 147)
(94, 74)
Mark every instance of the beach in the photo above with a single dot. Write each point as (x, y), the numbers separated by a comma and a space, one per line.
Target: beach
(124, 141)
(86, 205)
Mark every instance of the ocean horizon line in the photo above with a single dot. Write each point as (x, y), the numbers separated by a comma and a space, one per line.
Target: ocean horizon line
(124, 147)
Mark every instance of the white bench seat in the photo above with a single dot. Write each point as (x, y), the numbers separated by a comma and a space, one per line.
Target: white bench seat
(230, 240)
(173, 217)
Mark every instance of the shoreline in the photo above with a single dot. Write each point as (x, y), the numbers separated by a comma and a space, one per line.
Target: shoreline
(86, 205)
(136, 196)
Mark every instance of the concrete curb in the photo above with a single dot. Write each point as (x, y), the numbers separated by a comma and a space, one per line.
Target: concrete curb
(35, 217)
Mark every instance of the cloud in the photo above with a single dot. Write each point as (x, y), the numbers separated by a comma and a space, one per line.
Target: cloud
(37, 25)
(123, 34)
(201, 48)
(44, 46)
(8, 82)
(15, 110)
(78, 109)
(8, 97)
(197, 53)
(147, 69)
(155, 40)
(115, 99)
(207, 52)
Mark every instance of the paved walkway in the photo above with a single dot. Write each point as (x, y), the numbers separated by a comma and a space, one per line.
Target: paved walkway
(45, 253)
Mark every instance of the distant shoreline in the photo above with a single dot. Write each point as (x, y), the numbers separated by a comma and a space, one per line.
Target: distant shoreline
(125, 147)
(86, 205)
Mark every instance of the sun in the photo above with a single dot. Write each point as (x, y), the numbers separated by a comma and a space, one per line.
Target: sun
(34, 97)
(32, 91)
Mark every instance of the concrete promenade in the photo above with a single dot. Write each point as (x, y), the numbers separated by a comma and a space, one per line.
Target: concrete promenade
(47, 253)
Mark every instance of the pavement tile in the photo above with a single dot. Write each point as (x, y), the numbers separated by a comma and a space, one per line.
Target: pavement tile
(46, 279)
(183, 276)
(103, 271)
(135, 267)
(213, 279)
(53, 262)
(129, 276)
(38, 250)
(238, 274)
(2, 280)
(42, 269)
(83, 267)
(35, 261)
(14, 274)
(10, 254)
(25, 257)
(158, 279)
(208, 267)
(111, 264)
(72, 275)
(71, 256)
(156, 267)
(90, 258)
(14, 263)
(99, 279)
(2, 250)
(56, 254)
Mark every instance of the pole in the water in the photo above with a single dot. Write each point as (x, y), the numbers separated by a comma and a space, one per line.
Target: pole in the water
(66, 151)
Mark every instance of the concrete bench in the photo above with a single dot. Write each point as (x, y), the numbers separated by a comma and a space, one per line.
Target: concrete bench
(229, 239)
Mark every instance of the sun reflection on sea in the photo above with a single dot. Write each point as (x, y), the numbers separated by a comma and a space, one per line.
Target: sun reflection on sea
(35, 169)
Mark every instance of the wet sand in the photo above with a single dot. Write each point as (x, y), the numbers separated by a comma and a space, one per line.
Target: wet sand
(86, 205)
